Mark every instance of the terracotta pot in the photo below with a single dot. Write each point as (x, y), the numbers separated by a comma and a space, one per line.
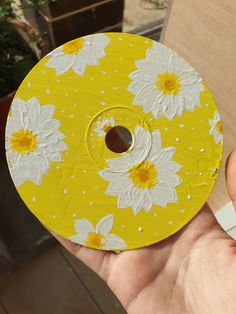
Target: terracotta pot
(5, 104)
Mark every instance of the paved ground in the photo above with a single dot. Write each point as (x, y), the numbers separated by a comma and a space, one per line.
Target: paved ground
(140, 12)
(56, 282)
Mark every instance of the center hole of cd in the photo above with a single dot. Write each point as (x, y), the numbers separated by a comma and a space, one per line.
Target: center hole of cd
(118, 139)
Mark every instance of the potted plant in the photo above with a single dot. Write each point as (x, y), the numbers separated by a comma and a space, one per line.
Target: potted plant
(21, 46)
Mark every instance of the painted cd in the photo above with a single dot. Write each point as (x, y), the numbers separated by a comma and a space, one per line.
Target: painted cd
(114, 141)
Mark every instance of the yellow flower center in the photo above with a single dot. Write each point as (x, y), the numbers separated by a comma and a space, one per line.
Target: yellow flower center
(107, 128)
(144, 175)
(95, 240)
(24, 141)
(219, 127)
(73, 46)
(168, 83)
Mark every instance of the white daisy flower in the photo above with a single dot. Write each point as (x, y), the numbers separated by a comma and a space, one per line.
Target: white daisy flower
(32, 140)
(104, 126)
(141, 182)
(98, 237)
(78, 54)
(165, 84)
(216, 128)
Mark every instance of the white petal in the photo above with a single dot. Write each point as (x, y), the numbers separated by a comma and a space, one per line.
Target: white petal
(213, 131)
(21, 160)
(114, 242)
(148, 97)
(140, 89)
(98, 40)
(12, 126)
(108, 175)
(47, 112)
(56, 157)
(42, 162)
(89, 57)
(34, 107)
(162, 195)
(79, 65)
(119, 164)
(19, 176)
(79, 238)
(172, 179)
(158, 105)
(135, 86)
(188, 77)
(18, 106)
(218, 138)
(124, 199)
(148, 202)
(193, 88)
(57, 147)
(11, 156)
(26, 121)
(170, 167)
(105, 225)
(50, 126)
(112, 121)
(32, 160)
(59, 135)
(100, 132)
(18, 180)
(140, 75)
(35, 176)
(45, 140)
(136, 207)
(83, 226)
(93, 50)
(147, 66)
(61, 63)
(153, 53)
(191, 101)
(164, 156)
(28, 117)
(216, 116)
(142, 142)
(120, 183)
(156, 144)
(171, 109)
(212, 123)
(56, 52)
(137, 197)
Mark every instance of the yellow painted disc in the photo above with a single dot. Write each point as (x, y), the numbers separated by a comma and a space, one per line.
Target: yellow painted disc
(62, 132)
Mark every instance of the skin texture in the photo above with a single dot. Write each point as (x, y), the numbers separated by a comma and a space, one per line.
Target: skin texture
(193, 271)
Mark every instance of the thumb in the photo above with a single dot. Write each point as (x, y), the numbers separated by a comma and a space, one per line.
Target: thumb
(230, 173)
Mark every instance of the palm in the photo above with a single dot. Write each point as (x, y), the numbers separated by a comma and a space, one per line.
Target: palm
(192, 271)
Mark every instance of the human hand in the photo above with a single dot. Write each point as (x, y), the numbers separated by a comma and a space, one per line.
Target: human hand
(193, 271)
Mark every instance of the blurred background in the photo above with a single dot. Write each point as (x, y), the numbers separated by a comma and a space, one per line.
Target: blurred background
(36, 274)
